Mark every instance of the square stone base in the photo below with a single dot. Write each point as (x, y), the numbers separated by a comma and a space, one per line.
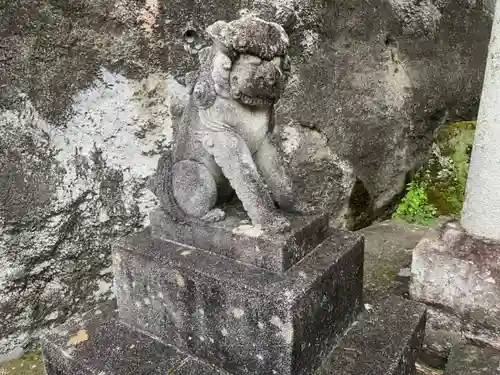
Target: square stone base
(383, 341)
(241, 318)
(459, 275)
(235, 238)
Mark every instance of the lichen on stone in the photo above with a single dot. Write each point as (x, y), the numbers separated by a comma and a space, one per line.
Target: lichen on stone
(29, 364)
(446, 171)
(441, 181)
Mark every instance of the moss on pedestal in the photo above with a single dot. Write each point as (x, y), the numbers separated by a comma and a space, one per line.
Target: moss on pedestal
(30, 364)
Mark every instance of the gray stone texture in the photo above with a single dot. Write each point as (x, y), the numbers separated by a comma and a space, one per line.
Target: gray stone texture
(471, 360)
(88, 92)
(385, 341)
(236, 238)
(387, 270)
(458, 275)
(443, 331)
(481, 211)
(226, 139)
(244, 319)
(388, 248)
(112, 348)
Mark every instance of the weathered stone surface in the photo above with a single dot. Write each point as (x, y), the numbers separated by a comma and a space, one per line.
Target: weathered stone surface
(471, 360)
(109, 347)
(458, 274)
(66, 194)
(86, 96)
(242, 318)
(379, 78)
(236, 238)
(385, 341)
(388, 248)
(226, 140)
(443, 331)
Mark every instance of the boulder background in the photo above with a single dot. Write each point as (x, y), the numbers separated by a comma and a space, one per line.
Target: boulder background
(89, 88)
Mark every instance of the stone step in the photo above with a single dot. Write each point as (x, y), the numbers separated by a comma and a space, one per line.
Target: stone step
(100, 345)
(471, 360)
(245, 319)
(385, 341)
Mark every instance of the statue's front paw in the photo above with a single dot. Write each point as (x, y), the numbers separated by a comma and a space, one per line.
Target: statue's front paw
(214, 215)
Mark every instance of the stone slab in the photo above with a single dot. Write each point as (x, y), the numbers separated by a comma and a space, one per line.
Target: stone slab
(459, 274)
(112, 348)
(235, 238)
(385, 341)
(242, 318)
(471, 360)
(388, 249)
(442, 332)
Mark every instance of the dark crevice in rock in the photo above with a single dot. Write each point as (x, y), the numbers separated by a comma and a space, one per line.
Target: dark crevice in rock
(360, 212)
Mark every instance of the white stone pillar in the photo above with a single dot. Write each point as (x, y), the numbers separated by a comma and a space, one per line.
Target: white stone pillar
(481, 211)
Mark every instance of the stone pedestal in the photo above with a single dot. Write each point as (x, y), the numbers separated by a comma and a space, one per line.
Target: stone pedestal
(458, 275)
(111, 348)
(385, 340)
(227, 298)
(235, 238)
(239, 317)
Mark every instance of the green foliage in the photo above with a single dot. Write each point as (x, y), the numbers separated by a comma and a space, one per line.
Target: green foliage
(438, 188)
(415, 206)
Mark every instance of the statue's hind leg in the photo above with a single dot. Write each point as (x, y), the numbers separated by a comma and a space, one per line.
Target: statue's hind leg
(195, 190)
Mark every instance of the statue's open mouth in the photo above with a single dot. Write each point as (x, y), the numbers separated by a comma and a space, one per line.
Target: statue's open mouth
(260, 98)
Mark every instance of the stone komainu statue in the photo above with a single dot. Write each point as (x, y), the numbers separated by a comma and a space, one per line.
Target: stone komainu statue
(226, 138)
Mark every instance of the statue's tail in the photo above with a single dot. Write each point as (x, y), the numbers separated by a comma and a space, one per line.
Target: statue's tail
(161, 186)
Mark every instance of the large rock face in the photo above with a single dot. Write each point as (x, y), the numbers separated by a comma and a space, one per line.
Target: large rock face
(88, 90)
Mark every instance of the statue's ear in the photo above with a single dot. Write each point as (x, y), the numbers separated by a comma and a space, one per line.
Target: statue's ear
(203, 94)
(203, 90)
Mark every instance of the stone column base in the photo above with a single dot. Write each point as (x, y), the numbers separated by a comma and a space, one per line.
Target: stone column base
(458, 275)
